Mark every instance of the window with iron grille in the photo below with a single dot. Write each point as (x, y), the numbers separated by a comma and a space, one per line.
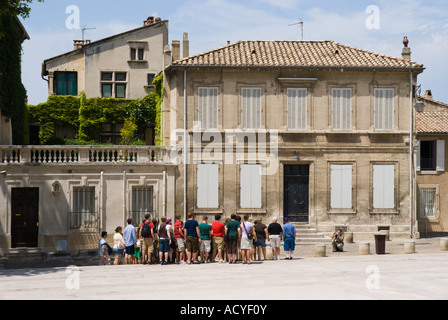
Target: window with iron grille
(84, 214)
(428, 202)
(142, 203)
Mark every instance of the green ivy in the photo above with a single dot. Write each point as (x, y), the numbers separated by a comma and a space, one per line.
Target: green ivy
(88, 114)
(12, 91)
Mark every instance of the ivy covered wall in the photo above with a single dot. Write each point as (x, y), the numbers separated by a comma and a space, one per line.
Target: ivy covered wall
(12, 91)
(87, 115)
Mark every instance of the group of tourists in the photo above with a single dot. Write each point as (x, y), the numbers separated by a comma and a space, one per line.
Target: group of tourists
(192, 242)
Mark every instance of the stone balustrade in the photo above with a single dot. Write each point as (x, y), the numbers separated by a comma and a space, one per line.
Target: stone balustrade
(87, 155)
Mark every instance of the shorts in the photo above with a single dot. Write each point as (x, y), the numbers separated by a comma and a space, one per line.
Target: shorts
(260, 242)
(275, 241)
(164, 245)
(289, 244)
(181, 244)
(218, 243)
(192, 244)
(118, 251)
(148, 245)
(129, 250)
(246, 244)
(205, 245)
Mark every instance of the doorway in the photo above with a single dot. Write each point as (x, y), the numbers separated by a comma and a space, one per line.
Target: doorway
(296, 192)
(25, 217)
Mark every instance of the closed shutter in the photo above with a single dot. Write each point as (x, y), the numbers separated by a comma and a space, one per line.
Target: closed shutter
(341, 186)
(208, 107)
(440, 155)
(383, 186)
(251, 108)
(250, 186)
(297, 108)
(207, 186)
(384, 109)
(341, 110)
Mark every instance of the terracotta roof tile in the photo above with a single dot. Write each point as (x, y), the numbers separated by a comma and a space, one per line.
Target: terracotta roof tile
(432, 122)
(311, 54)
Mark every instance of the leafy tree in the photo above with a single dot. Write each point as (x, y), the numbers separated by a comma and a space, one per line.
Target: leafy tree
(16, 7)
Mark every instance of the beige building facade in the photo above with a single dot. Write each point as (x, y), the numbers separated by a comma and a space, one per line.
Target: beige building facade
(431, 175)
(120, 66)
(314, 131)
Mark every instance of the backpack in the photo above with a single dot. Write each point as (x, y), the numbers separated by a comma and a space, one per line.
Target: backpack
(146, 231)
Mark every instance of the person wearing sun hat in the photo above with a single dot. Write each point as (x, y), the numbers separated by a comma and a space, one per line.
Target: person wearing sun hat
(289, 238)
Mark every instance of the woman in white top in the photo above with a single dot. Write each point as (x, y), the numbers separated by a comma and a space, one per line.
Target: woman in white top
(118, 245)
(246, 241)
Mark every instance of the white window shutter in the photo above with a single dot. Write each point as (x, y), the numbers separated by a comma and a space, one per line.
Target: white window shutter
(383, 186)
(418, 156)
(208, 107)
(297, 108)
(341, 187)
(441, 155)
(384, 109)
(250, 186)
(207, 186)
(251, 108)
(341, 109)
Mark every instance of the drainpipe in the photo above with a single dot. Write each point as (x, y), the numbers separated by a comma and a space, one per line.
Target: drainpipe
(185, 145)
(411, 154)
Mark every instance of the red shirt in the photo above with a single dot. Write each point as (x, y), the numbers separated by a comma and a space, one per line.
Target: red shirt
(218, 229)
(177, 225)
(151, 226)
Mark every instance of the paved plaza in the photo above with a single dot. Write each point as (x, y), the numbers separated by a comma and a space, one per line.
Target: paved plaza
(341, 276)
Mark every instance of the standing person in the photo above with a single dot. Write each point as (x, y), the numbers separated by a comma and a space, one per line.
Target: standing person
(262, 235)
(275, 235)
(238, 245)
(179, 237)
(289, 238)
(218, 230)
(147, 233)
(103, 251)
(247, 235)
(164, 240)
(232, 230)
(205, 231)
(130, 239)
(118, 245)
(192, 238)
(226, 241)
(155, 222)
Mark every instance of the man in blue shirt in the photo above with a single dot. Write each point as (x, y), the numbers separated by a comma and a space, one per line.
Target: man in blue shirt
(289, 238)
(130, 239)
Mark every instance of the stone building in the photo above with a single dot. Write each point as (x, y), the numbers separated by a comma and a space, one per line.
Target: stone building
(431, 177)
(315, 131)
(120, 66)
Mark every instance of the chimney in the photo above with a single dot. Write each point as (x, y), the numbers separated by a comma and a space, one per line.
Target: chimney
(148, 21)
(406, 53)
(185, 46)
(78, 44)
(428, 94)
(176, 50)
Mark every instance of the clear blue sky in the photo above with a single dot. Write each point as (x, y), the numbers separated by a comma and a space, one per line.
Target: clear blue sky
(211, 23)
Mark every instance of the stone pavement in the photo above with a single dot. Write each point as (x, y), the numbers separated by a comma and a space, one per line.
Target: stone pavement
(339, 276)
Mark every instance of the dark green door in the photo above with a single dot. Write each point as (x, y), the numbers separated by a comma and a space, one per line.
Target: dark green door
(296, 192)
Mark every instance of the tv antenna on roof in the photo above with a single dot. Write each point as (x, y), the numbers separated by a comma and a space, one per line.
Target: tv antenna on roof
(301, 26)
(83, 30)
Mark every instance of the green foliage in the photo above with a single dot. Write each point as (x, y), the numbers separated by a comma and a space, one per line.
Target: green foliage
(88, 114)
(12, 91)
(16, 7)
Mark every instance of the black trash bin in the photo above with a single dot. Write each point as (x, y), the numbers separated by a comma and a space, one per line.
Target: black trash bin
(380, 242)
